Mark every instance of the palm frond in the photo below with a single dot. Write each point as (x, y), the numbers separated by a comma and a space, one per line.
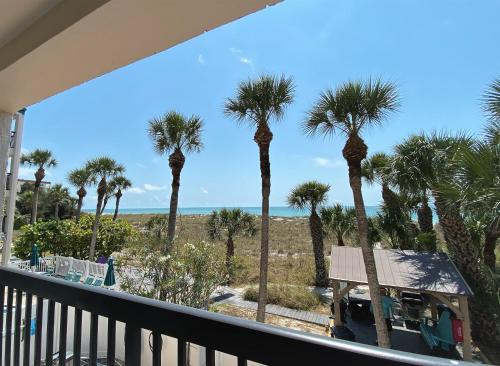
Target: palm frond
(308, 195)
(491, 100)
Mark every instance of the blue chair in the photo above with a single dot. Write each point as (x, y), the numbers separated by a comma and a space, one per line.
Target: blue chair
(438, 336)
(98, 282)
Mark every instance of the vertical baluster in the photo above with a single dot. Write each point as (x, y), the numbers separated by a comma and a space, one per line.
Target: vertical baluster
(111, 342)
(49, 346)
(132, 345)
(157, 344)
(209, 357)
(242, 362)
(38, 331)
(94, 325)
(63, 329)
(8, 327)
(17, 328)
(181, 353)
(77, 338)
(2, 299)
(27, 330)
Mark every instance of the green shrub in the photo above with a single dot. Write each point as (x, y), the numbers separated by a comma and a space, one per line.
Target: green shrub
(294, 297)
(68, 238)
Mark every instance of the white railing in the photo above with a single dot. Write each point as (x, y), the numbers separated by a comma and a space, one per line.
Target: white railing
(66, 266)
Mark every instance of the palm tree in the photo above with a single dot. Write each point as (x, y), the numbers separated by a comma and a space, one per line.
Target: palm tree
(491, 100)
(349, 110)
(233, 223)
(80, 178)
(41, 159)
(58, 195)
(312, 195)
(102, 169)
(175, 134)
(410, 167)
(118, 185)
(338, 221)
(258, 102)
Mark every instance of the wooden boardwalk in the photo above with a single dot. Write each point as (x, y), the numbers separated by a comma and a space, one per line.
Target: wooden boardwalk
(234, 298)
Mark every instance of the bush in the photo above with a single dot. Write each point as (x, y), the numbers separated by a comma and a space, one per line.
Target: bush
(188, 275)
(68, 238)
(293, 297)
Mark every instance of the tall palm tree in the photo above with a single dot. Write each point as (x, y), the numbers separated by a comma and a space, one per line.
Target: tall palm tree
(41, 159)
(349, 110)
(177, 135)
(119, 184)
(312, 195)
(58, 195)
(80, 178)
(258, 102)
(230, 223)
(102, 169)
(338, 221)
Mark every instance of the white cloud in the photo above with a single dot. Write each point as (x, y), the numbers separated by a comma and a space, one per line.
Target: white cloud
(203, 190)
(152, 187)
(137, 190)
(245, 60)
(141, 165)
(234, 50)
(201, 59)
(327, 163)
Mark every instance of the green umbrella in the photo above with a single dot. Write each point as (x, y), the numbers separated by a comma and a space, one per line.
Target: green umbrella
(109, 280)
(34, 256)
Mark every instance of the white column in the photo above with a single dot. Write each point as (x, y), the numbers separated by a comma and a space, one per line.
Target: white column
(14, 172)
(5, 125)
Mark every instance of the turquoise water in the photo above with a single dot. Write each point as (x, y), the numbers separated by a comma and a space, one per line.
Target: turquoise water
(273, 211)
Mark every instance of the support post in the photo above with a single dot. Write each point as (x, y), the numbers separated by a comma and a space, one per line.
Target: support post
(434, 312)
(5, 125)
(14, 172)
(467, 345)
(336, 303)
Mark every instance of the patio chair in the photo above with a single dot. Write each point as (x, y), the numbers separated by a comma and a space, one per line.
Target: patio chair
(98, 282)
(77, 276)
(438, 336)
(88, 280)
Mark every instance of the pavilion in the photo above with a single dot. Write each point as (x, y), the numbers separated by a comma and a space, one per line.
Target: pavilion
(433, 274)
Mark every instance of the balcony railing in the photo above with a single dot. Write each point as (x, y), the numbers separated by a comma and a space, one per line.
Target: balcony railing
(247, 340)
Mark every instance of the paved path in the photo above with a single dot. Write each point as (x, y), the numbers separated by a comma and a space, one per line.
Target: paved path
(233, 297)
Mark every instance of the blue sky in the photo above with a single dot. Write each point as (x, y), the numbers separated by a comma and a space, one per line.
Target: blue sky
(441, 54)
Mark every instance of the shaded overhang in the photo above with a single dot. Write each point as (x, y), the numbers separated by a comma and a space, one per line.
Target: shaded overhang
(48, 46)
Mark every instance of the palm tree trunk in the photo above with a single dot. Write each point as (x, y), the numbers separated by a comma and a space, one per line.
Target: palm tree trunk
(56, 211)
(104, 204)
(354, 152)
(263, 137)
(176, 162)
(229, 257)
(490, 242)
(340, 240)
(317, 242)
(101, 191)
(424, 216)
(117, 206)
(34, 204)
(79, 208)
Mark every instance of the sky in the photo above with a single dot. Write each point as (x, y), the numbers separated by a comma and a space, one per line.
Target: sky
(441, 55)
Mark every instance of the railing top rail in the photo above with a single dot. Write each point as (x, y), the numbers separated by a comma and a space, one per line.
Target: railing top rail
(255, 341)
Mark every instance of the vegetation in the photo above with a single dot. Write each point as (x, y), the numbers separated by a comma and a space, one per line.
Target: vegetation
(350, 109)
(312, 195)
(80, 178)
(175, 134)
(258, 102)
(101, 169)
(338, 222)
(188, 275)
(294, 297)
(70, 238)
(230, 223)
(59, 195)
(40, 159)
(118, 185)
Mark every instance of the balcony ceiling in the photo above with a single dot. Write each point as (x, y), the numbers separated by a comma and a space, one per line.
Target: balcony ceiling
(48, 46)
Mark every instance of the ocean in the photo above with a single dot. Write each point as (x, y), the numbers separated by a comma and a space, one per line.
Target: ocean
(273, 211)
